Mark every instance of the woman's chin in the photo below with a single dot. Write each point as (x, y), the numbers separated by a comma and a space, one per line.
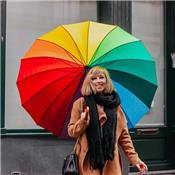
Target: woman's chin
(99, 91)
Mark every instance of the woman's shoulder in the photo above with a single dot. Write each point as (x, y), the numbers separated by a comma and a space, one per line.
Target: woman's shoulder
(79, 102)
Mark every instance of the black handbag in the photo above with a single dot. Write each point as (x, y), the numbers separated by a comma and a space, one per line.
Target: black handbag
(70, 164)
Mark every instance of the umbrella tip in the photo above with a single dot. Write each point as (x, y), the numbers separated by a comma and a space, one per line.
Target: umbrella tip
(87, 68)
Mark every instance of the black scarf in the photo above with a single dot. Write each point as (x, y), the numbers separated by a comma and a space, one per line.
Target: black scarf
(101, 141)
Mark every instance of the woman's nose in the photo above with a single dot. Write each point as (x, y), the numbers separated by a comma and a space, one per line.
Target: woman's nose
(98, 80)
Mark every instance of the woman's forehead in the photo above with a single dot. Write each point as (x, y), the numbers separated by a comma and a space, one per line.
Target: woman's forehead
(97, 74)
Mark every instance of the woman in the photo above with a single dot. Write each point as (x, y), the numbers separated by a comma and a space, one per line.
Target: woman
(98, 123)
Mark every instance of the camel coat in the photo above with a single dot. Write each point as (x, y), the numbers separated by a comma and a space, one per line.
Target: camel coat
(76, 129)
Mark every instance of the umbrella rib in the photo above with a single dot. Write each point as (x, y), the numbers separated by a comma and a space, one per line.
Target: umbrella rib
(87, 49)
(55, 58)
(128, 59)
(154, 85)
(75, 45)
(134, 76)
(100, 44)
(101, 57)
(79, 62)
(44, 72)
(76, 60)
(111, 62)
(58, 96)
(45, 87)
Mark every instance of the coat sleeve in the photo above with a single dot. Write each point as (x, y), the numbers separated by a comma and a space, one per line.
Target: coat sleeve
(125, 141)
(77, 125)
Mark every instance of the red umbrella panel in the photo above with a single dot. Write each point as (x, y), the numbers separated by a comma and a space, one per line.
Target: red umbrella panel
(47, 86)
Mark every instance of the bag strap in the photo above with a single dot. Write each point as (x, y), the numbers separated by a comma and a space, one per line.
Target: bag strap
(74, 149)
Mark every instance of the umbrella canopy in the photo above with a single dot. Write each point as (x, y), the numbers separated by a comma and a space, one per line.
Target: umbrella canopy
(52, 71)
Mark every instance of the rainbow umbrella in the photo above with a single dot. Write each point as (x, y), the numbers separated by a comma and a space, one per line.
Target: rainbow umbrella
(52, 71)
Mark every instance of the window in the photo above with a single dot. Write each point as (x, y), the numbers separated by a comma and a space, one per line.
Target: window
(148, 27)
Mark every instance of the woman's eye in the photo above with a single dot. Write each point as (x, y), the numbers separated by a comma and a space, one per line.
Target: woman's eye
(101, 77)
(93, 78)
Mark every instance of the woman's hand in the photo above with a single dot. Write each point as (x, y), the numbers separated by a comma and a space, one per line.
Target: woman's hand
(142, 167)
(85, 114)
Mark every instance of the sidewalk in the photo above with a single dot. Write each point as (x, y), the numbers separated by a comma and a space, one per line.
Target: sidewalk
(167, 172)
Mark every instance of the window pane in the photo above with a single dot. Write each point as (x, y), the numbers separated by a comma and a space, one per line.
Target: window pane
(27, 21)
(148, 26)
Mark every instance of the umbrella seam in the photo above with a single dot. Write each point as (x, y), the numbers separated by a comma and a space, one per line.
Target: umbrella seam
(18, 81)
(55, 58)
(101, 43)
(130, 73)
(43, 88)
(154, 86)
(47, 86)
(87, 49)
(72, 56)
(75, 45)
(118, 60)
(135, 76)
(56, 98)
(101, 57)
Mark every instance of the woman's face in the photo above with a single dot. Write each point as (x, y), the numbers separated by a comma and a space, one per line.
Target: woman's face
(98, 83)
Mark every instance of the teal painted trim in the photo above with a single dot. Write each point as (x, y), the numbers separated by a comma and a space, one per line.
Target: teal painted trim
(2, 74)
(22, 132)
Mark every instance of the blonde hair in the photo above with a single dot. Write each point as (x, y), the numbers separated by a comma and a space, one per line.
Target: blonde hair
(86, 87)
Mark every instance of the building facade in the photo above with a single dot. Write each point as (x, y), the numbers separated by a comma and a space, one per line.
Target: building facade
(28, 149)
